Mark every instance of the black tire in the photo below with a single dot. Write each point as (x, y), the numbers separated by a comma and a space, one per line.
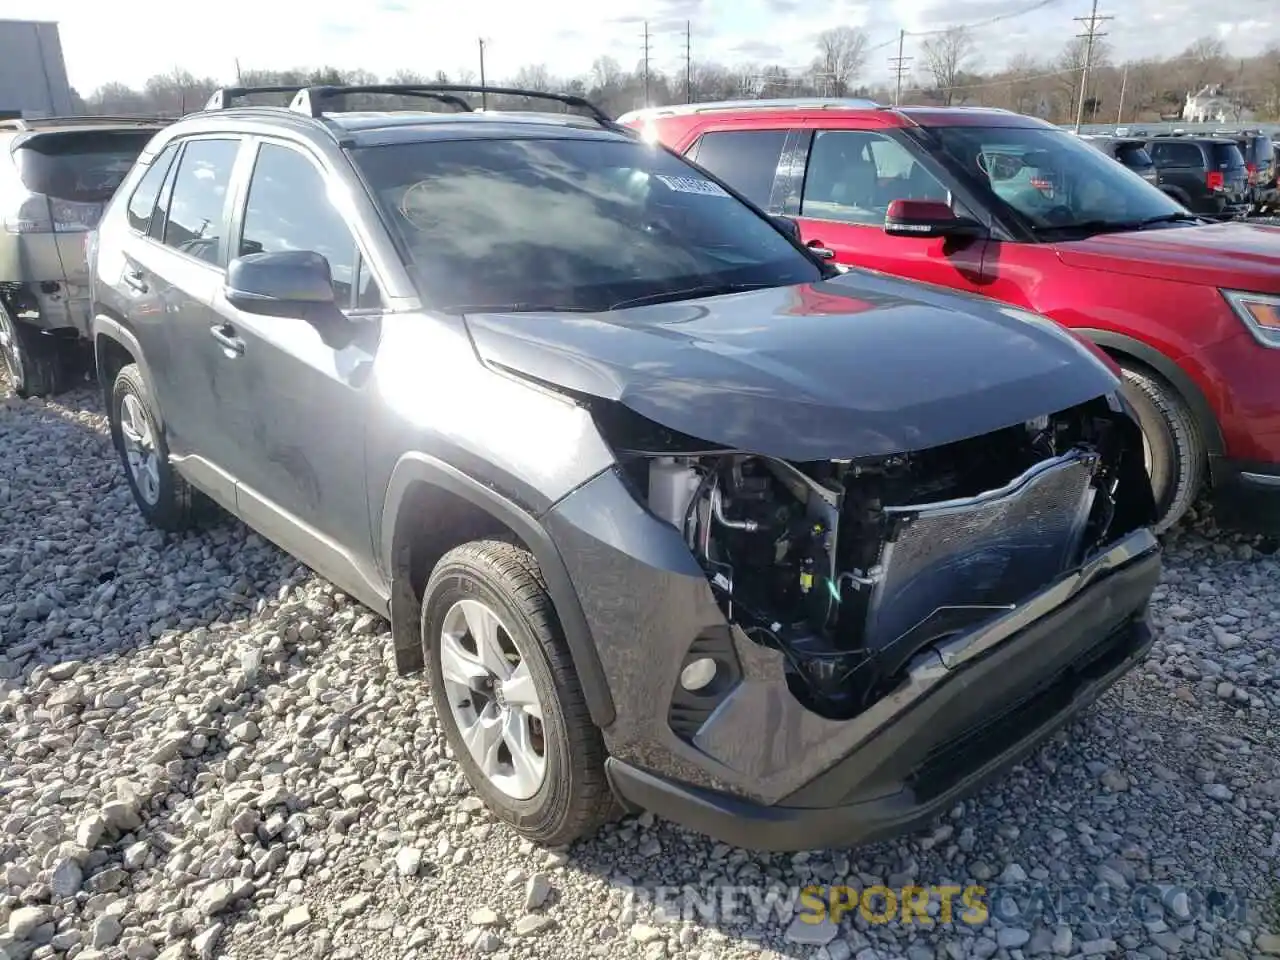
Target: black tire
(32, 359)
(1177, 450)
(574, 799)
(174, 508)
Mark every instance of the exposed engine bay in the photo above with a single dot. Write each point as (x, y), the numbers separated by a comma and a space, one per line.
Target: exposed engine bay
(850, 568)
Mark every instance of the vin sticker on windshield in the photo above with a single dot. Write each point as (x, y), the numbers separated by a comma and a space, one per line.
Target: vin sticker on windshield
(693, 185)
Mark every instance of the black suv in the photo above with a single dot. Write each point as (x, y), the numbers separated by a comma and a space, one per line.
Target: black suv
(1130, 152)
(1207, 175)
(1259, 159)
(56, 175)
(674, 515)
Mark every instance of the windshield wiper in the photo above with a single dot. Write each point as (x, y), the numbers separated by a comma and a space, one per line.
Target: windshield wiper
(688, 293)
(1180, 216)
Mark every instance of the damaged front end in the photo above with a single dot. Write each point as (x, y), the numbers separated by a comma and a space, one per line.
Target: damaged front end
(850, 568)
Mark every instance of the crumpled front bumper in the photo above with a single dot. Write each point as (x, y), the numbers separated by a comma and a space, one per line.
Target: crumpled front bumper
(762, 771)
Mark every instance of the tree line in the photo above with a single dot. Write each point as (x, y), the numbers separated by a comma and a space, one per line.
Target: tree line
(949, 71)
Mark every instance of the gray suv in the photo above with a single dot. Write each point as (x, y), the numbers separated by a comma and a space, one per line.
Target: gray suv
(673, 514)
(56, 175)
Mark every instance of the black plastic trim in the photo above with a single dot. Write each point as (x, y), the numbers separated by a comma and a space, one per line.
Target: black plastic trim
(420, 468)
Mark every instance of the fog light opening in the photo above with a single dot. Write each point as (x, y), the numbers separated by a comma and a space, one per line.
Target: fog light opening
(698, 674)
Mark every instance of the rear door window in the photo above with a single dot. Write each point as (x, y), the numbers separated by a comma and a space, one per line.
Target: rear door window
(747, 160)
(197, 208)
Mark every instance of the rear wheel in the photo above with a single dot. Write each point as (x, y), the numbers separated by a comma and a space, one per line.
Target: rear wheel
(163, 497)
(508, 697)
(1172, 447)
(32, 359)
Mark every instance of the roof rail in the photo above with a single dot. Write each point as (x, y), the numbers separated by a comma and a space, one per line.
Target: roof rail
(34, 123)
(310, 100)
(223, 98)
(785, 103)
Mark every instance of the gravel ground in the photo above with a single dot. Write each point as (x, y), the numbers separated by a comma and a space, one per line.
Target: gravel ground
(207, 754)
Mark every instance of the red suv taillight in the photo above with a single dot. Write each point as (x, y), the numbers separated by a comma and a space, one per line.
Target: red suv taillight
(1253, 172)
(1214, 180)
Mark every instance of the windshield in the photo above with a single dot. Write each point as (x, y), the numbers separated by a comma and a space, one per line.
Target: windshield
(82, 166)
(1052, 179)
(569, 224)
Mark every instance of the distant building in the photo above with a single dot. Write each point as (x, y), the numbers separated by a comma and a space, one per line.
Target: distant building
(1213, 105)
(33, 74)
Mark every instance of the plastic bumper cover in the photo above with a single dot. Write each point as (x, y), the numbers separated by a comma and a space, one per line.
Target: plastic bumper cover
(967, 711)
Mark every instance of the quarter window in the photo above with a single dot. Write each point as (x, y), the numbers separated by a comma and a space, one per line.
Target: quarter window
(143, 202)
(747, 160)
(196, 210)
(289, 209)
(853, 175)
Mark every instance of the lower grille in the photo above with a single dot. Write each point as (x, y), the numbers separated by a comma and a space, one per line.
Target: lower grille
(947, 564)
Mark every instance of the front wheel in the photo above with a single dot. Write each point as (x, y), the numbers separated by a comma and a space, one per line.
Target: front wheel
(508, 697)
(1173, 450)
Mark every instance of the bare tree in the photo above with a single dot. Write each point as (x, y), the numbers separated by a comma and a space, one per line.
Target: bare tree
(946, 55)
(1204, 62)
(1071, 64)
(842, 53)
(1024, 91)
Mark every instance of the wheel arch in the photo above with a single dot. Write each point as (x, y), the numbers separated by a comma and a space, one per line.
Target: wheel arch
(431, 507)
(114, 346)
(1122, 347)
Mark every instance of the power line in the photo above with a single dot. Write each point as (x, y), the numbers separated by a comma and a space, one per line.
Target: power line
(1090, 36)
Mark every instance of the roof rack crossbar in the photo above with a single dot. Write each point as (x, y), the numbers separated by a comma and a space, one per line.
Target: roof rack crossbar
(225, 96)
(310, 99)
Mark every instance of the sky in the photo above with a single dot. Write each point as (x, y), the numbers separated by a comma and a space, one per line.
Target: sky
(130, 40)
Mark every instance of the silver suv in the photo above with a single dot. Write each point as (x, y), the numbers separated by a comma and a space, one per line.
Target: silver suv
(56, 175)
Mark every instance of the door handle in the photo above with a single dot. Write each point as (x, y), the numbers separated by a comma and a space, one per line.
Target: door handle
(818, 250)
(229, 342)
(133, 280)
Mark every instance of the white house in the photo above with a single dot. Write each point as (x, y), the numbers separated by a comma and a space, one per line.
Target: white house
(1213, 104)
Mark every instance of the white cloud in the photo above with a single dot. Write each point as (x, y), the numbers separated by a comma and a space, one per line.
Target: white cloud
(130, 40)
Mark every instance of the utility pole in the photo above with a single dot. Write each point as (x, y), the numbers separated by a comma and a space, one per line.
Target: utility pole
(239, 75)
(1124, 82)
(900, 67)
(484, 97)
(688, 61)
(1090, 36)
(646, 63)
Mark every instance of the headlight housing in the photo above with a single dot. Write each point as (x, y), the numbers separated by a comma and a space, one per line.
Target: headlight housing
(1260, 313)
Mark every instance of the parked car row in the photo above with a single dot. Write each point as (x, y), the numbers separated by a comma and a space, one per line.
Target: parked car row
(674, 513)
(1221, 175)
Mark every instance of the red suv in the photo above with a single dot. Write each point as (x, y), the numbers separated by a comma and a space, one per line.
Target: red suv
(1014, 208)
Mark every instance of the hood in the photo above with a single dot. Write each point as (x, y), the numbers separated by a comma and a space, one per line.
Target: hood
(856, 366)
(1237, 255)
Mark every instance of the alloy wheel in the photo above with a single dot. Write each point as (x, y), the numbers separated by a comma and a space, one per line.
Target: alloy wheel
(140, 449)
(493, 699)
(10, 353)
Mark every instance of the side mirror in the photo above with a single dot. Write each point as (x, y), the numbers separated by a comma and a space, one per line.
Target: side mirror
(287, 282)
(928, 218)
(787, 226)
